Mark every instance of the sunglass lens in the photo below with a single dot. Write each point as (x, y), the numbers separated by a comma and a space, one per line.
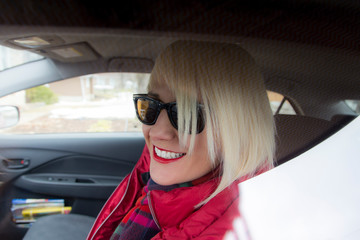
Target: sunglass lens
(200, 119)
(146, 110)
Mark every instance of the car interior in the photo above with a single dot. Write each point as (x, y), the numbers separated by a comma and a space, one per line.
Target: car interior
(308, 52)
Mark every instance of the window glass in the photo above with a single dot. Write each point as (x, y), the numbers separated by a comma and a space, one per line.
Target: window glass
(275, 103)
(92, 103)
(10, 57)
(354, 105)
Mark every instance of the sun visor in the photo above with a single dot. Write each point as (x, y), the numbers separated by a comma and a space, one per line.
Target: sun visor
(142, 65)
(36, 42)
(52, 47)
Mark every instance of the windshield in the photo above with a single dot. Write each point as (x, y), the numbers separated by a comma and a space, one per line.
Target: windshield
(10, 57)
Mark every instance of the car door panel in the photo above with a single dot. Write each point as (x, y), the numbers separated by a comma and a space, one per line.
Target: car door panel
(110, 145)
(97, 158)
(83, 169)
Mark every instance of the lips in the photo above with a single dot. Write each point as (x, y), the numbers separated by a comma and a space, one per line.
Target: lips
(164, 156)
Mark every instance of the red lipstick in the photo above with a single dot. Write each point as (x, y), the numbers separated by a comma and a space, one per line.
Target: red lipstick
(164, 160)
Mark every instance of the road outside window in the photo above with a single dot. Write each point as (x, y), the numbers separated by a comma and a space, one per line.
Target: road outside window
(92, 103)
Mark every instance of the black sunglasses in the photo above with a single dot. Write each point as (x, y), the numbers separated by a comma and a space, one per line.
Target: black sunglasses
(148, 110)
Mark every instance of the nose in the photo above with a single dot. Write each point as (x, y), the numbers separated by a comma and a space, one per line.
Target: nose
(163, 129)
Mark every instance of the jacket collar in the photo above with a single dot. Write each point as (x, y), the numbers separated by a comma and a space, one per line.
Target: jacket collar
(172, 207)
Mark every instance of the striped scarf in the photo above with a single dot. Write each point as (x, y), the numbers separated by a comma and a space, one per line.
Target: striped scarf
(138, 223)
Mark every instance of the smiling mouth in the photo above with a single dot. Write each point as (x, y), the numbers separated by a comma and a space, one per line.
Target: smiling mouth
(163, 156)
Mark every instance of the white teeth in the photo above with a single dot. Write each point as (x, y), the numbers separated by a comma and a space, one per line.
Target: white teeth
(168, 155)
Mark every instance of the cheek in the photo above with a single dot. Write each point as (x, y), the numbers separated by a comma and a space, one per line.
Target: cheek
(146, 131)
(201, 145)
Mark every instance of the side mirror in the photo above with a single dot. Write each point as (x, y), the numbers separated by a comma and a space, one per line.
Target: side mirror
(9, 116)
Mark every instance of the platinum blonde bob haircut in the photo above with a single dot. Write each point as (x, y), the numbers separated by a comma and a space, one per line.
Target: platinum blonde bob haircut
(238, 118)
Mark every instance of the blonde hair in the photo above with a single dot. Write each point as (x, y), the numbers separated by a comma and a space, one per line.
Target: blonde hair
(227, 81)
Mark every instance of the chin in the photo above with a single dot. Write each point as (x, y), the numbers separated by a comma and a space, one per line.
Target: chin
(162, 180)
(159, 175)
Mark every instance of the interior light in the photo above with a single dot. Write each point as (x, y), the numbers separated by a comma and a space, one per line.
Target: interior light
(31, 41)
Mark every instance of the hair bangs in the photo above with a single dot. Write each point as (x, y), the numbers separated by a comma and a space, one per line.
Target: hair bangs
(178, 75)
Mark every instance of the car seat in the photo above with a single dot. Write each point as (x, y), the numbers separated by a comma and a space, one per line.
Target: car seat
(56, 227)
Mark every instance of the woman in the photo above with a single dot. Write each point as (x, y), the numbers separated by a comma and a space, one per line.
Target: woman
(208, 125)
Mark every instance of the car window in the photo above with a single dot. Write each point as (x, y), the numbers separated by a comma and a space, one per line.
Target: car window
(92, 103)
(354, 105)
(279, 104)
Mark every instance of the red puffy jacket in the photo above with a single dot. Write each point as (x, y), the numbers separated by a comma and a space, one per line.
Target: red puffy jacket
(173, 211)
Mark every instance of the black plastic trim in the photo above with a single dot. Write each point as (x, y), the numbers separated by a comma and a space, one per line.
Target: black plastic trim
(69, 185)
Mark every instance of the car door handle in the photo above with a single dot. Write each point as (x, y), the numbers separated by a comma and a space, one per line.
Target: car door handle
(16, 163)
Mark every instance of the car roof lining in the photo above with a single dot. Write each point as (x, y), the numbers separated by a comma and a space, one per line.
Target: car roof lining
(277, 20)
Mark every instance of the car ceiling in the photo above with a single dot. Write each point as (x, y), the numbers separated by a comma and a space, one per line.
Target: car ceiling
(306, 21)
(309, 43)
